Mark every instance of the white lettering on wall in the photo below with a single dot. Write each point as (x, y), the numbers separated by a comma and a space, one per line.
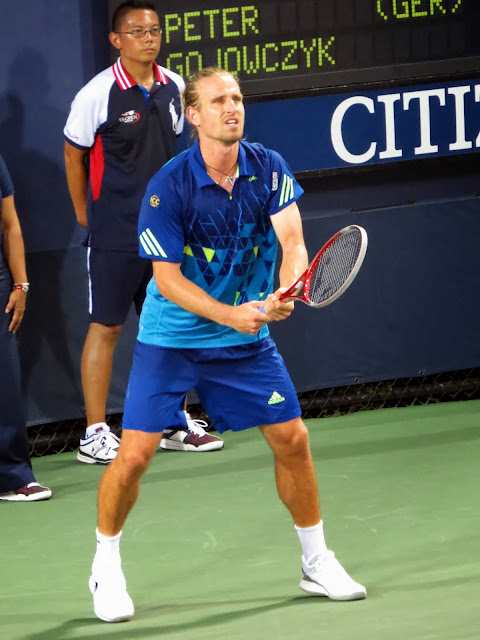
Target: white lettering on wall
(461, 142)
(337, 133)
(423, 97)
(422, 105)
(391, 150)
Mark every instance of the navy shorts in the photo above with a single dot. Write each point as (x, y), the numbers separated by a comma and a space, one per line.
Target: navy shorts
(116, 280)
(238, 389)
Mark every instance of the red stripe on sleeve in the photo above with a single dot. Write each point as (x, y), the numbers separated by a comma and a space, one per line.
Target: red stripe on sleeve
(97, 167)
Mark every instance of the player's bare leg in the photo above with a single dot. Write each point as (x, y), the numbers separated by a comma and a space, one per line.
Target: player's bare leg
(119, 485)
(118, 492)
(298, 490)
(294, 470)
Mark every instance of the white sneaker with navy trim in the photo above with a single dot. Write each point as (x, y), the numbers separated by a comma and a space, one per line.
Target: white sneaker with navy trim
(111, 601)
(325, 576)
(99, 448)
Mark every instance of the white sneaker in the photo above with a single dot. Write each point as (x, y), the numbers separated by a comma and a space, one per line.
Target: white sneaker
(325, 576)
(194, 438)
(111, 601)
(100, 448)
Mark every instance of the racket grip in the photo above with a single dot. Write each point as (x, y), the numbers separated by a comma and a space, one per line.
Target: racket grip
(262, 309)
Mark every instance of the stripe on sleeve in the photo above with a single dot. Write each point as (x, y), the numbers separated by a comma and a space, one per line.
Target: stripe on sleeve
(155, 243)
(145, 244)
(282, 194)
(290, 196)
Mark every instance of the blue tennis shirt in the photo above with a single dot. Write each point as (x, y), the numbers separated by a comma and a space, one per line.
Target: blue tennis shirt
(224, 242)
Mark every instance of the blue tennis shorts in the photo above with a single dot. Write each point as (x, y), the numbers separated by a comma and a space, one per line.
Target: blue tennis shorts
(116, 280)
(239, 387)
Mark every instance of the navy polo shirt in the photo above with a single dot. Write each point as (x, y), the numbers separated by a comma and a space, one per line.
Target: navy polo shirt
(130, 134)
(224, 242)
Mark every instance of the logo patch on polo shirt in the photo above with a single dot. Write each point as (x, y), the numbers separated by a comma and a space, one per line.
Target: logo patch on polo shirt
(129, 116)
(154, 201)
(274, 181)
(173, 114)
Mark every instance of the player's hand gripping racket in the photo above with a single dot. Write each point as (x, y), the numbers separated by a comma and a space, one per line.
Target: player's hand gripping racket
(332, 270)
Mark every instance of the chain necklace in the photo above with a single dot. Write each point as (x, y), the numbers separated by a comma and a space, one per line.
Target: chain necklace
(228, 178)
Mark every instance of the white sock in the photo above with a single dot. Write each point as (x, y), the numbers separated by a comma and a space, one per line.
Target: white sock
(312, 541)
(108, 550)
(92, 428)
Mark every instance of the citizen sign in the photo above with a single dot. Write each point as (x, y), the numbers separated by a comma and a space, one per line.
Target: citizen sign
(424, 106)
(391, 124)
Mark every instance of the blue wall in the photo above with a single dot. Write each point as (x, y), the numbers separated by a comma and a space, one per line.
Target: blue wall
(49, 50)
(368, 127)
(412, 310)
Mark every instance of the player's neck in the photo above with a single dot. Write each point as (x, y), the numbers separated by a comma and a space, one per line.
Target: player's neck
(141, 72)
(218, 155)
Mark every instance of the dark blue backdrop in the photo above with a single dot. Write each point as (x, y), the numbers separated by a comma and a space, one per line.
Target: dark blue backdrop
(412, 310)
(370, 127)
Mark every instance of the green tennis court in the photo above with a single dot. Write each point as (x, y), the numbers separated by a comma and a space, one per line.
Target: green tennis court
(209, 552)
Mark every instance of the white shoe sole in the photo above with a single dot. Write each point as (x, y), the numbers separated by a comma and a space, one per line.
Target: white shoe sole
(83, 457)
(313, 588)
(34, 497)
(173, 445)
(128, 615)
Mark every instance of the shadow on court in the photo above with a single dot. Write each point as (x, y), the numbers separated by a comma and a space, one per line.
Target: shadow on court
(129, 630)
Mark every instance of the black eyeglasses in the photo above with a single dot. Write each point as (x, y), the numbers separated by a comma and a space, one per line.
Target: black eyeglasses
(155, 32)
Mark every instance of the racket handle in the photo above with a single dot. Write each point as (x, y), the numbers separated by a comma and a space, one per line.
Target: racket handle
(262, 309)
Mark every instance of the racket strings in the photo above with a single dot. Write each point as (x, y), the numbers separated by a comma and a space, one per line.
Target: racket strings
(334, 267)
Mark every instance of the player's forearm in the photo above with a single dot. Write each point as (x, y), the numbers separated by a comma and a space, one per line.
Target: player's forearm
(189, 296)
(288, 227)
(294, 263)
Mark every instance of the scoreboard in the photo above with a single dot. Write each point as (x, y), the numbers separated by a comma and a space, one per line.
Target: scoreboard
(278, 46)
(360, 81)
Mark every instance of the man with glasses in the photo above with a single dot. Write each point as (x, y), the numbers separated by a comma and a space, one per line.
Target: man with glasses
(121, 130)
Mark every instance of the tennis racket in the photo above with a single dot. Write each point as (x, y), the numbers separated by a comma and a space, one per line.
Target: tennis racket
(333, 269)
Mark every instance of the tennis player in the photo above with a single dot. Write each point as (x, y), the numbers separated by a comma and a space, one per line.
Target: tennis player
(210, 221)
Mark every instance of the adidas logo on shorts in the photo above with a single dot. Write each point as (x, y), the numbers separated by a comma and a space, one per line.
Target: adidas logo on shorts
(276, 398)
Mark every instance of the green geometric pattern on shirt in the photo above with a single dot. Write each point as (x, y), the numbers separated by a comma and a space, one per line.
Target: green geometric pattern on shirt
(247, 259)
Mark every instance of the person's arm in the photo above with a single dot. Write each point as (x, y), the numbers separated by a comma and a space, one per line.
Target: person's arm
(173, 285)
(287, 224)
(14, 251)
(244, 318)
(77, 180)
(288, 227)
